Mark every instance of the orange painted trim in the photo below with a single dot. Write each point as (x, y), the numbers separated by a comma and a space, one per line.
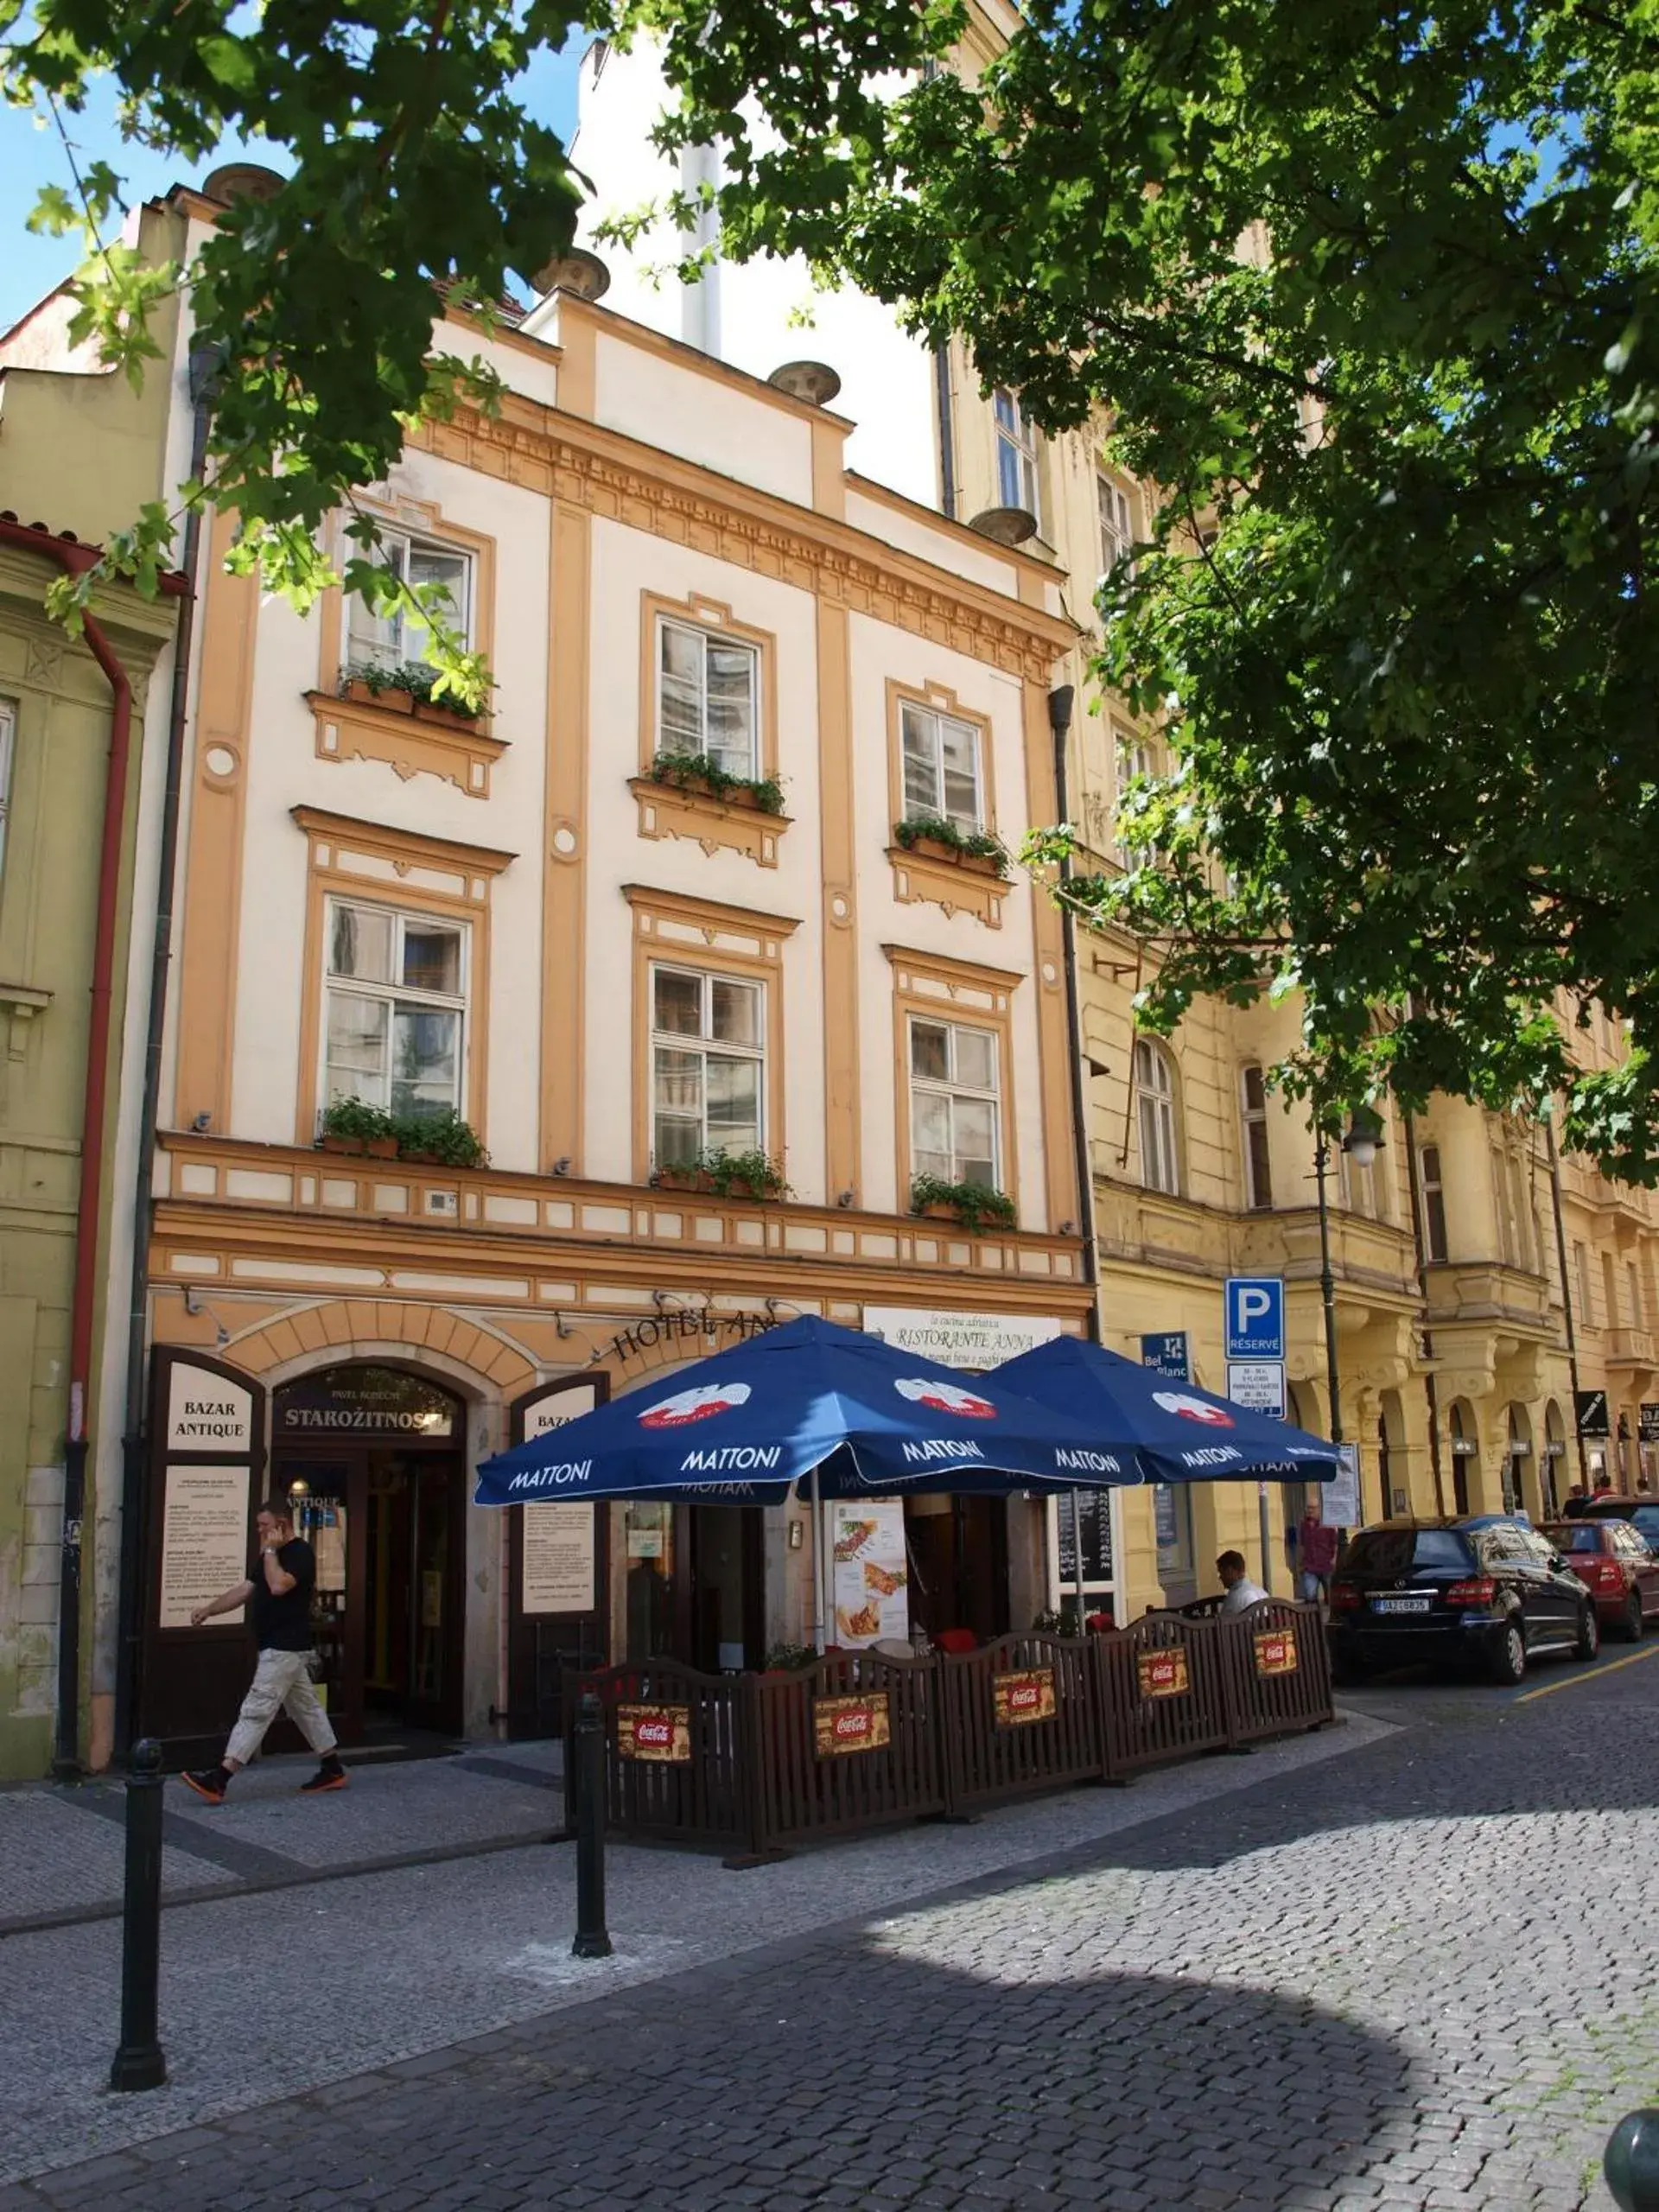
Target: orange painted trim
(209, 940)
(564, 847)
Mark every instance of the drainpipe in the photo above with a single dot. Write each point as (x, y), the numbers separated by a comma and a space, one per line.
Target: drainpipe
(77, 559)
(1430, 1392)
(1566, 1295)
(1060, 721)
(948, 496)
(206, 365)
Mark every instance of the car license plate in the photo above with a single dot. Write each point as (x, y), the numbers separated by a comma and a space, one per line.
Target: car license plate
(1401, 1605)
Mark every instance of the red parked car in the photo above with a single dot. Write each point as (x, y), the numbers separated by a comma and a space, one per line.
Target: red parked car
(1615, 1566)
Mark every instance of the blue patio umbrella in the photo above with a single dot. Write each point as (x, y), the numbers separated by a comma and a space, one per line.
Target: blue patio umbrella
(1174, 1431)
(742, 1427)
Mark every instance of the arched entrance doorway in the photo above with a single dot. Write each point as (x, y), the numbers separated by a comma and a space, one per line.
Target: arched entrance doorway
(1516, 1462)
(1555, 1476)
(1465, 1451)
(372, 1456)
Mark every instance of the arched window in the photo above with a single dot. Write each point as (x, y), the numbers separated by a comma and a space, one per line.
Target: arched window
(1154, 1084)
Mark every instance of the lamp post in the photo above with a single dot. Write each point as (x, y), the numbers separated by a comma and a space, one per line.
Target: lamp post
(1362, 1143)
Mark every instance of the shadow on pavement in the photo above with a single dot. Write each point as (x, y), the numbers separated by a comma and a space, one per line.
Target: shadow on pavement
(1025, 2074)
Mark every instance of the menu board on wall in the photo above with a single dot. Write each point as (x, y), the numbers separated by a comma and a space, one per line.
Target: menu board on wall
(556, 1569)
(1094, 1512)
(204, 1541)
(872, 1577)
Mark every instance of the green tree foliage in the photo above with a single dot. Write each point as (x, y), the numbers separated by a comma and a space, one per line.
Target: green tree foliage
(1371, 292)
(418, 173)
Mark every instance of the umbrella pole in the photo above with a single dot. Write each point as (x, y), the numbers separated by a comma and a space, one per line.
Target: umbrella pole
(819, 1566)
(1076, 1549)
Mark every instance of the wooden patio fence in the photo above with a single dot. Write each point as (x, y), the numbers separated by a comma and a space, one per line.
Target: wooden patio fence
(757, 1765)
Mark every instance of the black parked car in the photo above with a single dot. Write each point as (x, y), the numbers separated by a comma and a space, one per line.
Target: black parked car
(1475, 1591)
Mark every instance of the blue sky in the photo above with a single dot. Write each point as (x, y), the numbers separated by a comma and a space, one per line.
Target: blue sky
(31, 156)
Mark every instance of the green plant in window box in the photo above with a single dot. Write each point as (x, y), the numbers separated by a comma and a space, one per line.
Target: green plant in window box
(789, 1658)
(439, 1138)
(701, 772)
(726, 1175)
(354, 1125)
(937, 838)
(411, 685)
(975, 1205)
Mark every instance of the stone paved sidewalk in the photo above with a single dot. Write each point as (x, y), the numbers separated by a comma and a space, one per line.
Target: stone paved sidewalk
(268, 1993)
(1416, 1977)
(60, 1849)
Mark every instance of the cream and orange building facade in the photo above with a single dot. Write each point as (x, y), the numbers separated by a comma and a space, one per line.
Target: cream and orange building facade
(602, 974)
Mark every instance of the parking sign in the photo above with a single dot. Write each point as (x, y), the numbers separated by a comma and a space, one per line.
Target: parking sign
(1254, 1317)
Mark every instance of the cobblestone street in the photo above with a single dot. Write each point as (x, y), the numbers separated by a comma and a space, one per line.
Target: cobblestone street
(1414, 1974)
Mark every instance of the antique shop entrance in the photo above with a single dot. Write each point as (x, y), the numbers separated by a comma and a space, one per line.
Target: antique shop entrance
(372, 1460)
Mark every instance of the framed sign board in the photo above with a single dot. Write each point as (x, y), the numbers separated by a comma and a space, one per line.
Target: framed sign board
(558, 1571)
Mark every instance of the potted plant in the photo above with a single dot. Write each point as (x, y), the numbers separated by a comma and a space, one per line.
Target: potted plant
(717, 1172)
(370, 685)
(439, 1138)
(701, 772)
(980, 851)
(352, 1125)
(788, 1658)
(407, 687)
(975, 1205)
(744, 1174)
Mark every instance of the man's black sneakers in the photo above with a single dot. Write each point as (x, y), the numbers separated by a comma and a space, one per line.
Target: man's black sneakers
(209, 1782)
(331, 1775)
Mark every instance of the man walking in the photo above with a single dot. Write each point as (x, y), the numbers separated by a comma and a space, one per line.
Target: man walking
(1316, 1551)
(280, 1595)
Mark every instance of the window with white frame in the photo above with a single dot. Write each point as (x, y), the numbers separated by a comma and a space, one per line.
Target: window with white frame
(707, 696)
(1428, 1170)
(1252, 1110)
(707, 1064)
(1154, 1085)
(1016, 456)
(399, 639)
(395, 1007)
(1116, 523)
(955, 1102)
(943, 774)
(7, 747)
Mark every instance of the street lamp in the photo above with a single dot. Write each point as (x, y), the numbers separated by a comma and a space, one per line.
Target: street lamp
(1362, 1143)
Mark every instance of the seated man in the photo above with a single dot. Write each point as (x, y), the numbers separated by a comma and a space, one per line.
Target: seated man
(1241, 1591)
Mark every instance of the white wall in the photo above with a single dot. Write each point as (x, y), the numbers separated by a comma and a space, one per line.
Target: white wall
(886, 377)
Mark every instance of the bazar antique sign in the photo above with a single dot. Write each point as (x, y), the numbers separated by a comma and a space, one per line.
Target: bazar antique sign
(654, 1732)
(1163, 1674)
(1026, 1695)
(1275, 1652)
(207, 1412)
(850, 1724)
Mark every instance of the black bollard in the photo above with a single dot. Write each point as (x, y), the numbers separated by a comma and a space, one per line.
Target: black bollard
(140, 2063)
(592, 1938)
(1631, 2162)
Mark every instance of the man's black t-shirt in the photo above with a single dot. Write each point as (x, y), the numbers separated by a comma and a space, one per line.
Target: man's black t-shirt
(284, 1623)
